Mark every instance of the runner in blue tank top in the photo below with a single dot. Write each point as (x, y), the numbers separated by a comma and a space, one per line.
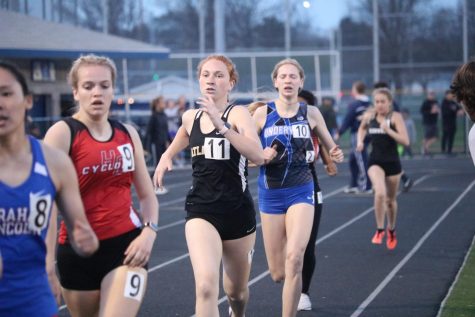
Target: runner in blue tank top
(286, 198)
(32, 177)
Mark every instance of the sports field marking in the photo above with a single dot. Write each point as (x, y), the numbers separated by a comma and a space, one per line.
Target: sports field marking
(396, 269)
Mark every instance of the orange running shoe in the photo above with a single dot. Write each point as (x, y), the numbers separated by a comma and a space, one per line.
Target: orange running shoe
(391, 241)
(378, 237)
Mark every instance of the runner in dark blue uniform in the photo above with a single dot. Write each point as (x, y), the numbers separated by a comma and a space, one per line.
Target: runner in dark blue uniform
(386, 129)
(286, 188)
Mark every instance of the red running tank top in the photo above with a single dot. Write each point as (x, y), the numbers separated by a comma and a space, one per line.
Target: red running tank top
(105, 171)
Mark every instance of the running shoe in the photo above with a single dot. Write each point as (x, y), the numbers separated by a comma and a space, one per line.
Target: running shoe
(378, 237)
(391, 241)
(351, 190)
(407, 185)
(304, 303)
(161, 190)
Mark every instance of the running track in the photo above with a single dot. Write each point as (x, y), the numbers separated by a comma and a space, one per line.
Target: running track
(436, 225)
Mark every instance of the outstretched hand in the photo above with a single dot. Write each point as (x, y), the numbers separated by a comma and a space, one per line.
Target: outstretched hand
(336, 154)
(85, 241)
(165, 165)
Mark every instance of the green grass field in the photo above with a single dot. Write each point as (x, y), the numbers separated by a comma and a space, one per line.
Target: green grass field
(461, 301)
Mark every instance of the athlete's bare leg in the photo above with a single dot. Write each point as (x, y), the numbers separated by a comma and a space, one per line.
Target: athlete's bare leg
(392, 184)
(377, 176)
(273, 232)
(237, 259)
(82, 303)
(205, 247)
(122, 291)
(298, 224)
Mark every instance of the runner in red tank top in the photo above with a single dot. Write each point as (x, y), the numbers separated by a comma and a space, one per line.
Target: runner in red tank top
(108, 157)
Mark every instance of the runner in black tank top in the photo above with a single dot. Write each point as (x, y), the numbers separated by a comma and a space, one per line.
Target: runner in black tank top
(219, 171)
(220, 213)
(386, 128)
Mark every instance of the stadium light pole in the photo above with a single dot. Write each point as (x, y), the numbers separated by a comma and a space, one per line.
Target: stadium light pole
(375, 41)
(201, 26)
(465, 30)
(219, 27)
(287, 27)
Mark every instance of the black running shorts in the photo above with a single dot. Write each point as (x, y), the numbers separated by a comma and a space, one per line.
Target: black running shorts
(86, 274)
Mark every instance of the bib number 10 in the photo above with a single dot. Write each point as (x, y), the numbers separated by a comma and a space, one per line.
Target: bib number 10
(216, 148)
(300, 131)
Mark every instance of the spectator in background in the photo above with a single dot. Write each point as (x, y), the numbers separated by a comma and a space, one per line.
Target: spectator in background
(157, 138)
(329, 115)
(430, 113)
(463, 87)
(32, 128)
(358, 160)
(411, 131)
(407, 182)
(171, 110)
(450, 110)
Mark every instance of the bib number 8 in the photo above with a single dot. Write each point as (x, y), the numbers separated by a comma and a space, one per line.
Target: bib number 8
(40, 207)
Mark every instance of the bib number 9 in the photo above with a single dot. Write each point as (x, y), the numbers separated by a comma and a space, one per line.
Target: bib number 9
(134, 285)
(127, 153)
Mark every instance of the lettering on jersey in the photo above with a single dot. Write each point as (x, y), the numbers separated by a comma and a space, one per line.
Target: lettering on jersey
(110, 162)
(376, 131)
(277, 130)
(197, 150)
(24, 220)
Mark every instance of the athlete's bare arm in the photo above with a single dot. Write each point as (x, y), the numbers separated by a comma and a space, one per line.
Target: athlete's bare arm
(139, 250)
(259, 119)
(179, 143)
(246, 140)
(317, 124)
(68, 199)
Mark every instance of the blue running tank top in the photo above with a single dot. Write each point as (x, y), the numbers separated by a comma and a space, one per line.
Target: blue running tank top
(295, 149)
(24, 218)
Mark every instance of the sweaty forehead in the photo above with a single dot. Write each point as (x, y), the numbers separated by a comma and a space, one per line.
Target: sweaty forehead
(214, 65)
(7, 80)
(96, 73)
(287, 69)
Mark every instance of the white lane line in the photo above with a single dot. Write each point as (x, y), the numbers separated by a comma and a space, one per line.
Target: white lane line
(418, 245)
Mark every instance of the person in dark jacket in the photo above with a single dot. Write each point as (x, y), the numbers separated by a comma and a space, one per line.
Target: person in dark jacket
(157, 132)
(430, 113)
(450, 110)
(329, 115)
(358, 160)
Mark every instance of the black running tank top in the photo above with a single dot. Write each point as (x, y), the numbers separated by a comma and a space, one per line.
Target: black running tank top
(384, 148)
(219, 171)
